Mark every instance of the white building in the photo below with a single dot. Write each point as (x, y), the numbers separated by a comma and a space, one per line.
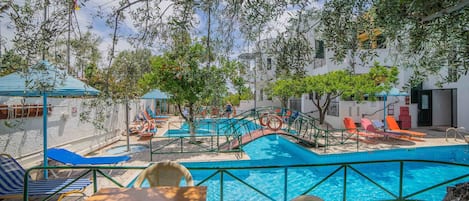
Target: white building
(428, 105)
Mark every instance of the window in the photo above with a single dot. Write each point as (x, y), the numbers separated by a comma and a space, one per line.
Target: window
(333, 109)
(319, 45)
(414, 93)
(453, 74)
(261, 94)
(380, 41)
(295, 104)
(376, 41)
(269, 63)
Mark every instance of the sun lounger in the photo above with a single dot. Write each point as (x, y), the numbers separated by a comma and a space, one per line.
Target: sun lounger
(394, 127)
(154, 116)
(71, 158)
(157, 122)
(368, 126)
(12, 180)
(351, 128)
(378, 124)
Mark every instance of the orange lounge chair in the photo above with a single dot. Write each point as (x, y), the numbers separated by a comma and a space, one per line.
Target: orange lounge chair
(368, 126)
(351, 128)
(393, 127)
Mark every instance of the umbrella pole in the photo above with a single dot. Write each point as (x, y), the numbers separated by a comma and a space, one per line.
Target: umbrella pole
(127, 123)
(384, 112)
(44, 132)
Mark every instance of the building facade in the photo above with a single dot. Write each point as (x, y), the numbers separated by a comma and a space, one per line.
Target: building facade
(427, 104)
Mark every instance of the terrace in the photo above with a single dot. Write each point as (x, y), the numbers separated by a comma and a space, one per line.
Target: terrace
(125, 173)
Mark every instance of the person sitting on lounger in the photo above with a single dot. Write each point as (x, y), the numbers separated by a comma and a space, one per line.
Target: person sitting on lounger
(146, 127)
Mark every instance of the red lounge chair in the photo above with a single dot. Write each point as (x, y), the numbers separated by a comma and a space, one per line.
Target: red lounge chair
(351, 128)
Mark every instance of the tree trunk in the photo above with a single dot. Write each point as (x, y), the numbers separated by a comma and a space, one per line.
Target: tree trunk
(192, 123)
(284, 102)
(322, 116)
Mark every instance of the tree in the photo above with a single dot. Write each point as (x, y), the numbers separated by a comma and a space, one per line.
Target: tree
(428, 37)
(86, 52)
(180, 73)
(235, 73)
(126, 70)
(284, 89)
(292, 49)
(342, 83)
(11, 62)
(38, 28)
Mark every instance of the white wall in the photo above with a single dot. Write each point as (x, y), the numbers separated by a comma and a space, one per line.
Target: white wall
(23, 139)
(246, 105)
(463, 102)
(441, 108)
(462, 87)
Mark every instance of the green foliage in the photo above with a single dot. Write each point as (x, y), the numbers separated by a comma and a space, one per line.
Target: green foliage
(85, 49)
(179, 73)
(334, 84)
(11, 62)
(284, 89)
(127, 69)
(35, 36)
(235, 99)
(428, 37)
(235, 73)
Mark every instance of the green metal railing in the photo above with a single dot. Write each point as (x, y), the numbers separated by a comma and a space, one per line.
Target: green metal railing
(303, 128)
(343, 169)
(92, 171)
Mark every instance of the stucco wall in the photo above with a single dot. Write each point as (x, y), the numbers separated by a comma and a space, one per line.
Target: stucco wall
(23, 138)
(441, 111)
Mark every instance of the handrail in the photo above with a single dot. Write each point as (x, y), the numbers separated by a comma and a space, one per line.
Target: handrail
(219, 172)
(457, 132)
(303, 126)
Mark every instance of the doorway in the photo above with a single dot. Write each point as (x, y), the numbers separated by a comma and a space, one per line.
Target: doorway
(425, 108)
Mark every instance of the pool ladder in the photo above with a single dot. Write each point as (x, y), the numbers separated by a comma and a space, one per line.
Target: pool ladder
(458, 132)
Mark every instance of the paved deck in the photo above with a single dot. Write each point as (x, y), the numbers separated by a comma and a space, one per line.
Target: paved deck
(434, 138)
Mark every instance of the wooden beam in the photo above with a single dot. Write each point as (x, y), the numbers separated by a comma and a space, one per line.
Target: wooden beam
(457, 7)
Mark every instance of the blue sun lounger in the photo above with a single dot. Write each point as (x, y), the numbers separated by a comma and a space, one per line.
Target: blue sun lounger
(70, 158)
(12, 180)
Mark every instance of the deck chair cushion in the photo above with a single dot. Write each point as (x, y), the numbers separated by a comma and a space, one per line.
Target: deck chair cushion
(12, 180)
(71, 158)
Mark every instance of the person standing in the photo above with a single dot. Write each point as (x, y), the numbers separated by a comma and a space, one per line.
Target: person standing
(229, 109)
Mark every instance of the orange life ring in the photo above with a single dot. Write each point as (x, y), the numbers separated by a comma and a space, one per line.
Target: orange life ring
(278, 119)
(262, 118)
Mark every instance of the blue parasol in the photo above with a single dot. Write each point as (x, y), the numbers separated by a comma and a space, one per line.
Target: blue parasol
(43, 79)
(392, 92)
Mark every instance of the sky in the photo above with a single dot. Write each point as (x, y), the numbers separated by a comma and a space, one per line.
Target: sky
(87, 16)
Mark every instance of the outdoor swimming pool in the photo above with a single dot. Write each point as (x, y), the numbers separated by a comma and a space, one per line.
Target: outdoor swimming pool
(210, 127)
(276, 151)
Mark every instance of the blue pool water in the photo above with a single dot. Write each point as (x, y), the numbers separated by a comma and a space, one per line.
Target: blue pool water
(210, 127)
(277, 151)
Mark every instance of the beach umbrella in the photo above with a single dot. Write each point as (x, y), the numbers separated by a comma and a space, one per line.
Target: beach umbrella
(385, 94)
(44, 79)
(156, 94)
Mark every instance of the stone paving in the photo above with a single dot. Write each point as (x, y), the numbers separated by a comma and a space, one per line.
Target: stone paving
(435, 137)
